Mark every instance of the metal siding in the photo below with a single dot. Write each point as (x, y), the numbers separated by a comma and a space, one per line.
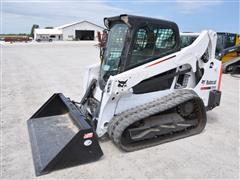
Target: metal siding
(70, 30)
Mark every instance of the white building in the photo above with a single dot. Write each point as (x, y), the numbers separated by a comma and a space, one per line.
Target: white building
(83, 30)
(48, 34)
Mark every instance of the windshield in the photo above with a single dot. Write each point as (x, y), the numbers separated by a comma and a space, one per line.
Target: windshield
(113, 51)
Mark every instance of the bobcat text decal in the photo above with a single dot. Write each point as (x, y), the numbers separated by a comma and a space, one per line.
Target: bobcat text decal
(208, 84)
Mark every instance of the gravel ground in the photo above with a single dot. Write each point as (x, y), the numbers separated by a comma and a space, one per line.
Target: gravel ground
(33, 72)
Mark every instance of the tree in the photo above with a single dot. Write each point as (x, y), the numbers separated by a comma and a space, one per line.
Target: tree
(35, 26)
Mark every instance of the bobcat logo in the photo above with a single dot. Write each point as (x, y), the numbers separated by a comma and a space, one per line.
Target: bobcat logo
(122, 83)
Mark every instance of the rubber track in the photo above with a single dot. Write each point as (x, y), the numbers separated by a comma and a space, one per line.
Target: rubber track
(123, 120)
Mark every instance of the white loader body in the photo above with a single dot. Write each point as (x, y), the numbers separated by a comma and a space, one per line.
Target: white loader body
(117, 99)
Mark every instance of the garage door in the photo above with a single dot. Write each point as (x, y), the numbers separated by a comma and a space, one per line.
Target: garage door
(84, 35)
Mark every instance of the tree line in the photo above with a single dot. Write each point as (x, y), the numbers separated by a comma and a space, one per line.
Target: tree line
(31, 34)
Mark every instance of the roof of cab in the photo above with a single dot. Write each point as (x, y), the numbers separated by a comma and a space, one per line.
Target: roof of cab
(132, 19)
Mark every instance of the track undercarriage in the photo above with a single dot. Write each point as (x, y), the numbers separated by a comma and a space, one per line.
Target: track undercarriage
(178, 115)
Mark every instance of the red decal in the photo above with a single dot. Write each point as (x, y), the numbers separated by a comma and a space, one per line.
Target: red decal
(160, 61)
(220, 79)
(88, 135)
(205, 88)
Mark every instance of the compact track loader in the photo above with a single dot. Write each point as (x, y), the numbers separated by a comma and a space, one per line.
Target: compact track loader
(228, 51)
(145, 91)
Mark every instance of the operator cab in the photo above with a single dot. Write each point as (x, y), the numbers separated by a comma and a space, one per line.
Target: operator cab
(133, 41)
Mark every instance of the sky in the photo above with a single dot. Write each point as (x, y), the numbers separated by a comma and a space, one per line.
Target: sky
(18, 16)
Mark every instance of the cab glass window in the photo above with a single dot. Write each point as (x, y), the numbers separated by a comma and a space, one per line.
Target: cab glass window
(151, 43)
(231, 40)
(220, 43)
(114, 48)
